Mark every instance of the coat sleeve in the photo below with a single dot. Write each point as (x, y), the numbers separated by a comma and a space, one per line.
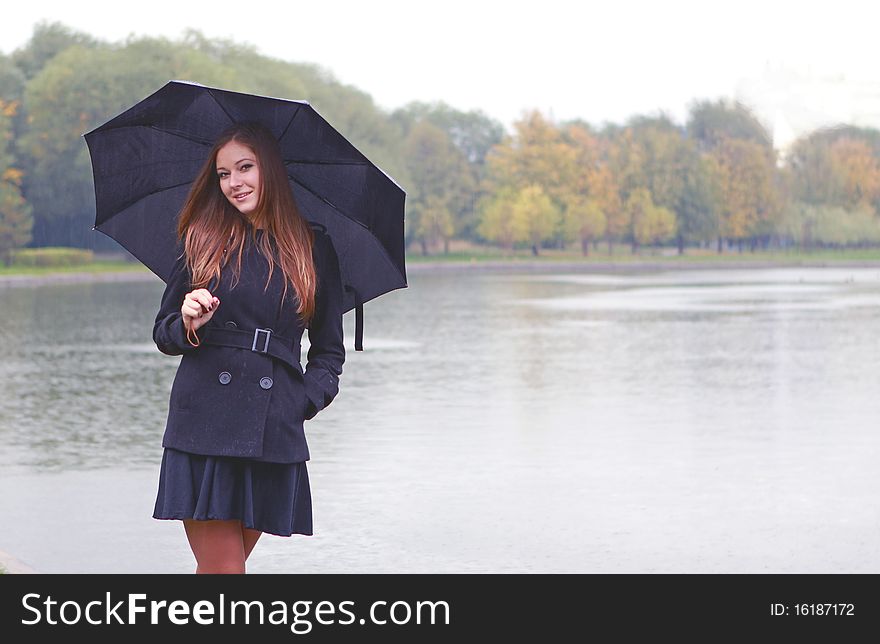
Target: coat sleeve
(326, 351)
(169, 333)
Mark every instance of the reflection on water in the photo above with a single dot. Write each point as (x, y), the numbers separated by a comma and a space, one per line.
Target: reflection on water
(682, 421)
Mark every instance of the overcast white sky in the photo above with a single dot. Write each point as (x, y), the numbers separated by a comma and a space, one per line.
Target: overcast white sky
(600, 61)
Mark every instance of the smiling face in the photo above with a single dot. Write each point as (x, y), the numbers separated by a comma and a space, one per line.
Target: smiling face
(239, 176)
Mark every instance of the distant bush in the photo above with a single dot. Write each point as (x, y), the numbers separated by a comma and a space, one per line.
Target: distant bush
(52, 256)
(829, 226)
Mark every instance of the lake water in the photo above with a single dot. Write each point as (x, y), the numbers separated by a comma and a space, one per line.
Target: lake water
(690, 421)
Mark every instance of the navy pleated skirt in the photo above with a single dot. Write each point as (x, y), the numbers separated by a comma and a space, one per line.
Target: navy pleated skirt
(269, 497)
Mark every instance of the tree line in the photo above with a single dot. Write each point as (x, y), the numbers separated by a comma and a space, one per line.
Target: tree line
(715, 180)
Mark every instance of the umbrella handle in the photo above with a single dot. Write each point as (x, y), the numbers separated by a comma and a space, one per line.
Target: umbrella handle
(358, 319)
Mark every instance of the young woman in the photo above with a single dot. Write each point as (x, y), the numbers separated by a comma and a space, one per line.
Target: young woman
(252, 275)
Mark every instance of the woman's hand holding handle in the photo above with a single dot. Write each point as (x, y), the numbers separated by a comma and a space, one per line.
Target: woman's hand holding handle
(198, 308)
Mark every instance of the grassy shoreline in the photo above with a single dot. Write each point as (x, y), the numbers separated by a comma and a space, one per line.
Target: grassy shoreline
(623, 255)
(478, 258)
(98, 266)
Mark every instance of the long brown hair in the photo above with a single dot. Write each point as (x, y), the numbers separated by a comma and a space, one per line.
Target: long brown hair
(213, 229)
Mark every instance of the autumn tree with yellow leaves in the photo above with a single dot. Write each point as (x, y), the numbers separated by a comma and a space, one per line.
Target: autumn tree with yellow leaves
(534, 164)
(858, 172)
(593, 196)
(497, 223)
(747, 192)
(649, 223)
(536, 216)
(739, 166)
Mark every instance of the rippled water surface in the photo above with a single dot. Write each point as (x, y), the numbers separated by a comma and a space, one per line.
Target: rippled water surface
(692, 421)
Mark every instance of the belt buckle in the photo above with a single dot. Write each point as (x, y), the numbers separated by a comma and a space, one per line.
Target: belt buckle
(257, 333)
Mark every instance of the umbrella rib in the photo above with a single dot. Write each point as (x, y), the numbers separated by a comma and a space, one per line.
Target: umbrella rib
(156, 128)
(182, 135)
(289, 123)
(328, 202)
(288, 162)
(220, 105)
(122, 171)
(142, 197)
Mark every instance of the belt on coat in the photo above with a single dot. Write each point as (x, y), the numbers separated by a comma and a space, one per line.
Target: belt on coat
(260, 341)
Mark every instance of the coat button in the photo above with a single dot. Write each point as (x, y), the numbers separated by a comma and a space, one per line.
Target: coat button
(231, 324)
(266, 383)
(225, 377)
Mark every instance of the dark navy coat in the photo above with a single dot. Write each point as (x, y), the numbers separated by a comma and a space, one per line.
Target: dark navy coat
(234, 401)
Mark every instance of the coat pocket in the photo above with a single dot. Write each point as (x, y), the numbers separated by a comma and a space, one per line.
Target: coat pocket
(182, 387)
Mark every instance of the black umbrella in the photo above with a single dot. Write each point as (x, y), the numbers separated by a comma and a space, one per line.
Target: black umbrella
(144, 160)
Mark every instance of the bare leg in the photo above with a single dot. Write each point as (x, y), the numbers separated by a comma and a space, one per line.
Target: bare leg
(217, 545)
(249, 539)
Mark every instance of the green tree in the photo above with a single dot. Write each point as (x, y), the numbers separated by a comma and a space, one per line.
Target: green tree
(473, 134)
(679, 177)
(811, 168)
(711, 122)
(11, 80)
(663, 159)
(444, 184)
(15, 213)
(699, 208)
(15, 220)
(820, 225)
(47, 41)
(74, 92)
